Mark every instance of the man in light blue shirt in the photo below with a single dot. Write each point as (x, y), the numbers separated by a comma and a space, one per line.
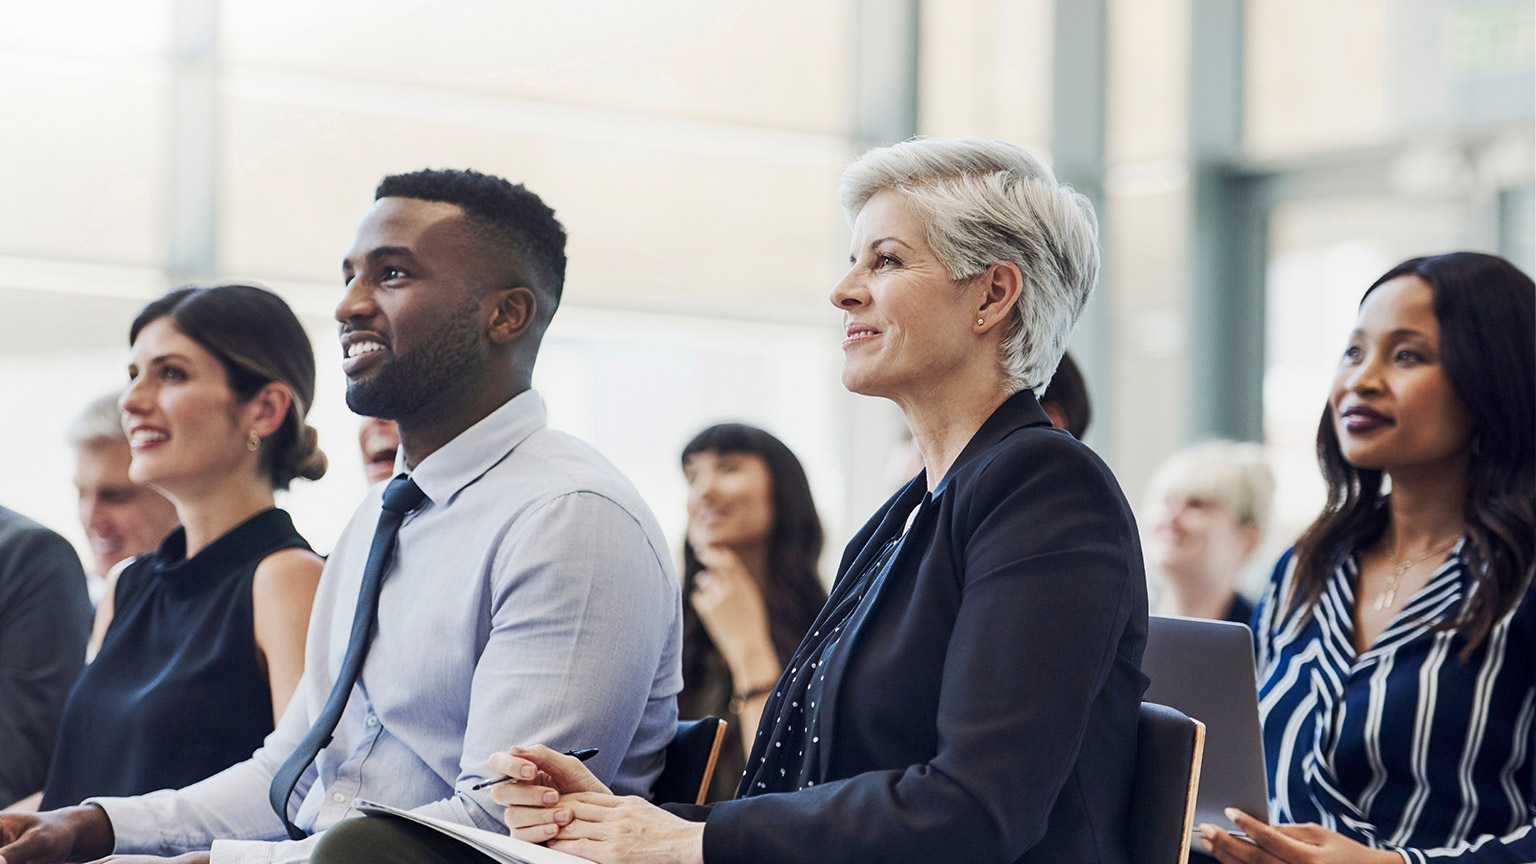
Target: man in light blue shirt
(530, 597)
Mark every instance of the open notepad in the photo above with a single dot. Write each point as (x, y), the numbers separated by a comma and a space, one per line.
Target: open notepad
(500, 847)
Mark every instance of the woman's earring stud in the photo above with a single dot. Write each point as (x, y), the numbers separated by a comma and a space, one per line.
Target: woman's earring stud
(980, 321)
(253, 443)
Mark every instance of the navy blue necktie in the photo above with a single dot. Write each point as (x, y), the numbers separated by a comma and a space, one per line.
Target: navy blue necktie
(400, 497)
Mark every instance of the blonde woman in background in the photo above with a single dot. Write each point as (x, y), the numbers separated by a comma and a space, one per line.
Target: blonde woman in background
(1208, 508)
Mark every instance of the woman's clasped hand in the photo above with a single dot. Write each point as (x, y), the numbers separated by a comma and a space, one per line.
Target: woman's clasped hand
(553, 799)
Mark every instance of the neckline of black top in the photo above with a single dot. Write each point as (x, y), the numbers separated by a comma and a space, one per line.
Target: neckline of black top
(269, 529)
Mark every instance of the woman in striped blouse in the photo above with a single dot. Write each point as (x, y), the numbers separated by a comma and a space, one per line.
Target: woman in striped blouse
(1397, 642)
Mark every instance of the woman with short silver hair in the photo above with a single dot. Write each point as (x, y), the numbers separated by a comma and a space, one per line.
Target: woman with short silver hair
(970, 690)
(983, 204)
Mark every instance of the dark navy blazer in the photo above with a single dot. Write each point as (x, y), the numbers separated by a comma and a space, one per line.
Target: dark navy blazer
(985, 710)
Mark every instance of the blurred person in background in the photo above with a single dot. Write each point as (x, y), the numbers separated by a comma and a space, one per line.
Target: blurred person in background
(205, 639)
(121, 518)
(1209, 505)
(970, 691)
(749, 574)
(45, 619)
(379, 441)
(1065, 399)
(1397, 641)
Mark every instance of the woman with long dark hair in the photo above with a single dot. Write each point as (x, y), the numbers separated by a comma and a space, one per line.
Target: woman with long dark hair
(1397, 642)
(749, 574)
(205, 643)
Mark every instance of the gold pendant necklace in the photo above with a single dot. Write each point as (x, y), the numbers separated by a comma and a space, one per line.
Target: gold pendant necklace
(1387, 597)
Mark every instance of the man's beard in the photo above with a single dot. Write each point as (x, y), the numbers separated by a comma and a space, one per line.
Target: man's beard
(405, 383)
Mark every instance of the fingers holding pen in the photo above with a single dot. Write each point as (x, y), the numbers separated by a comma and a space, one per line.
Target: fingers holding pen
(525, 795)
(544, 786)
(539, 764)
(509, 764)
(534, 813)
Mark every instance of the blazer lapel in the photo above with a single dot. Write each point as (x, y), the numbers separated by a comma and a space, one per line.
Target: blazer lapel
(901, 566)
(886, 523)
(1018, 411)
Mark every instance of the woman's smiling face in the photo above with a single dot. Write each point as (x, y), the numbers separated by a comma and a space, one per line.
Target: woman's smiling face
(183, 422)
(906, 324)
(730, 498)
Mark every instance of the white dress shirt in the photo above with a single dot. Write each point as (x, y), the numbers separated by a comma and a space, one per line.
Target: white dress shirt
(531, 600)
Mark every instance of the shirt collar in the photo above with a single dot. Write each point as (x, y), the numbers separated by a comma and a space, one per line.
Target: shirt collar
(472, 452)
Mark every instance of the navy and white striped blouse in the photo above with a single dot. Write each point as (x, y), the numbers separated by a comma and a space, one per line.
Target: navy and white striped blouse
(1405, 746)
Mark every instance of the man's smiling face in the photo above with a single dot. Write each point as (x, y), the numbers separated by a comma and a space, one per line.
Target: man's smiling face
(414, 313)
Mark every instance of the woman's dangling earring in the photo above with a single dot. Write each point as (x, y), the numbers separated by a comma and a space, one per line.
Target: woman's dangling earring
(253, 443)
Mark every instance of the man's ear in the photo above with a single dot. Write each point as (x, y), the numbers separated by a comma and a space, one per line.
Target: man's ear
(266, 410)
(512, 313)
(1001, 285)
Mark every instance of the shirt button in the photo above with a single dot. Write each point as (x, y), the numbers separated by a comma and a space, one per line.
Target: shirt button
(372, 721)
(338, 798)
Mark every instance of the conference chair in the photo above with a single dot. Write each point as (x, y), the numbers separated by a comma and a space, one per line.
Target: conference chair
(690, 762)
(1169, 746)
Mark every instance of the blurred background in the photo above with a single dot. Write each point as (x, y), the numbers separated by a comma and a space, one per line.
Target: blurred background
(1255, 166)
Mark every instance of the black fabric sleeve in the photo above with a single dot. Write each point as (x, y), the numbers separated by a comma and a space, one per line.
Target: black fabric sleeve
(691, 812)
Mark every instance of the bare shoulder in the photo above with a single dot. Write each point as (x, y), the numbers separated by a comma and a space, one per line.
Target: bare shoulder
(288, 571)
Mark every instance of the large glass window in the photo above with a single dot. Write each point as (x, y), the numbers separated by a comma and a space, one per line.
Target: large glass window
(691, 148)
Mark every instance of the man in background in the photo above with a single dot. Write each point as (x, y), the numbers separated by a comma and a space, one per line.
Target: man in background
(121, 520)
(379, 440)
(45, 617)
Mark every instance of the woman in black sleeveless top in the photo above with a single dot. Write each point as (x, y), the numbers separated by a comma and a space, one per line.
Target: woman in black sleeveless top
(206, 640)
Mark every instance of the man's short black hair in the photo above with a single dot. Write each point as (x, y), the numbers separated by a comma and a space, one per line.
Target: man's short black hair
(510, 214)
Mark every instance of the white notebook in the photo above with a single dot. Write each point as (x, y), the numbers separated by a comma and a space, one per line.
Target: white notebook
(508, 850)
